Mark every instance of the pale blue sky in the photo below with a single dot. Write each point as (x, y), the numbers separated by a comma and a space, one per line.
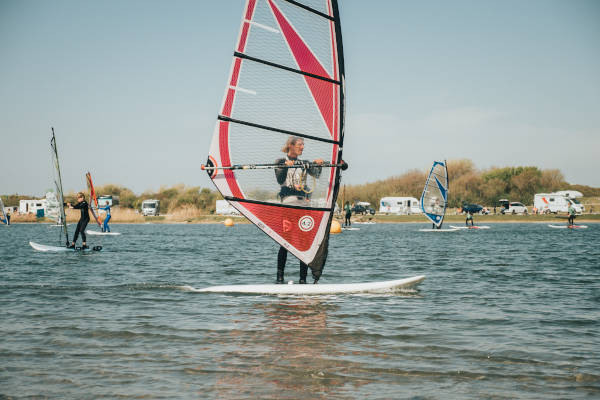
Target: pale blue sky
(133, 87)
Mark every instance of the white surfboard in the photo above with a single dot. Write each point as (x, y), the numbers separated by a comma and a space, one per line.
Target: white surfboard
(350, 229)
(471, 227)
(102, 233)
(438, 230)
(568, 226)
(60, 249)
(311, 289)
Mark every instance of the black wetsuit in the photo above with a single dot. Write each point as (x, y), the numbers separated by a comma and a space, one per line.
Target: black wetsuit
(83, 220)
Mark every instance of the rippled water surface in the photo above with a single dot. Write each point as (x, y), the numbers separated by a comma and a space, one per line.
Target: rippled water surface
(509, 312)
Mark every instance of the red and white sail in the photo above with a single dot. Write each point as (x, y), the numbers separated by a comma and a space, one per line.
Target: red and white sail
(287, 79)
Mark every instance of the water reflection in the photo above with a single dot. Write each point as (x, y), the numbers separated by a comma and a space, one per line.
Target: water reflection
(288, 350)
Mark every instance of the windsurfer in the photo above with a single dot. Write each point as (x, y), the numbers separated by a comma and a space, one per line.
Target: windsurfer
(83, 220)
(571, 211)
(469, 218)
(348, 210)
(294, 190)
(106, 208)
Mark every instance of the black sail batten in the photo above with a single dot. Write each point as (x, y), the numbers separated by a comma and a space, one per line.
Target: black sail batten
(269, 128)
(318, 263)
(312, 10)
(266, 203)
(275, 65)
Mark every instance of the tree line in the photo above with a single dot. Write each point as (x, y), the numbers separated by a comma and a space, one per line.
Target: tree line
(470, 185)
(467, 184)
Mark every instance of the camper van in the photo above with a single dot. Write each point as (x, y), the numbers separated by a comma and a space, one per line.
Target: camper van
(150, 207)
(222, 207)
(399, 205)
(556, 202)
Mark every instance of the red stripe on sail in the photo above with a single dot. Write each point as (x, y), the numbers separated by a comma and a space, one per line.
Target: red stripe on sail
(297, 227)
(228, 104)
(246, 28)
(308, 62)
(226, 161)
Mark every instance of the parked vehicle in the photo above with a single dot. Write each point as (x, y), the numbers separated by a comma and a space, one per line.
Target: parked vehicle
(556, 202)
(399, 205)
(362, 207)
(514, 207)
(150, 207)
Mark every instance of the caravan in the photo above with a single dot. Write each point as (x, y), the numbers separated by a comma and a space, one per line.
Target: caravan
(557, 202)
(399, 205)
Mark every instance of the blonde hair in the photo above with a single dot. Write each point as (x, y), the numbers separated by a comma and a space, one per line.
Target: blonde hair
(290, 142)
(80, 194)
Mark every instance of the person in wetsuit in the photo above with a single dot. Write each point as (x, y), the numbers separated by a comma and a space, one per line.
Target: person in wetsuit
(469, 218)
(348, 210)
(106, 208)
(295, 191)
(83, 220)
(571, 211)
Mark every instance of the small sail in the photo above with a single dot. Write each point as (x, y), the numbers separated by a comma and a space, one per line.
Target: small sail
(93, 197)
(3, 218)
(59, 187)
(434, 199)
(286, 80)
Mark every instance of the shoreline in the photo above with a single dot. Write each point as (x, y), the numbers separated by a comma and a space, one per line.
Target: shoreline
(379, 219)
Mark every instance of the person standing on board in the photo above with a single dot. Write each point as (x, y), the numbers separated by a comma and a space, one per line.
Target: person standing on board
(348, 210)
(83, 220)
(469, 218)
(106, 208)
(295, 191)
(571, 211)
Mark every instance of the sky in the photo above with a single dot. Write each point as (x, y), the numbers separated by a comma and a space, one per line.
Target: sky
(133, 88)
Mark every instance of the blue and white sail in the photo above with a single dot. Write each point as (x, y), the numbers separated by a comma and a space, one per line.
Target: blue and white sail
(434, 199)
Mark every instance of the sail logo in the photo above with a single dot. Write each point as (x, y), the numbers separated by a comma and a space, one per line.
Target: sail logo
(306, 223)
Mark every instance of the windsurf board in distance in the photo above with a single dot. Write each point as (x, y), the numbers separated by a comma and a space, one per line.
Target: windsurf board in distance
(568, 226)
(470, 227)
(102, 233)
(61, 249)
(438, 230)
(318, 289)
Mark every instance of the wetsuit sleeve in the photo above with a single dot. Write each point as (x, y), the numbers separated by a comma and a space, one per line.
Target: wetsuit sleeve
(80, 205)
(280, 173)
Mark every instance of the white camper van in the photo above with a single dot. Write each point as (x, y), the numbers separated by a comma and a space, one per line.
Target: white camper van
(556, 202)
(150, 207)
(222, 207)
(399, 205)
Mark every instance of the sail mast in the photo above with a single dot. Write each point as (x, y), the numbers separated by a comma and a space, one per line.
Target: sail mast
(59, 187)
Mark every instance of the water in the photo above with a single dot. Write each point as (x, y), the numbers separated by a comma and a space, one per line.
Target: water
(511, 312)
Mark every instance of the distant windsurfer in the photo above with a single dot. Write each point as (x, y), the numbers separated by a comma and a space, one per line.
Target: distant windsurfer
(469, 218)
(295, 191)
(571, 211)
(105, 227)
(348, 210)
(83, 220)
